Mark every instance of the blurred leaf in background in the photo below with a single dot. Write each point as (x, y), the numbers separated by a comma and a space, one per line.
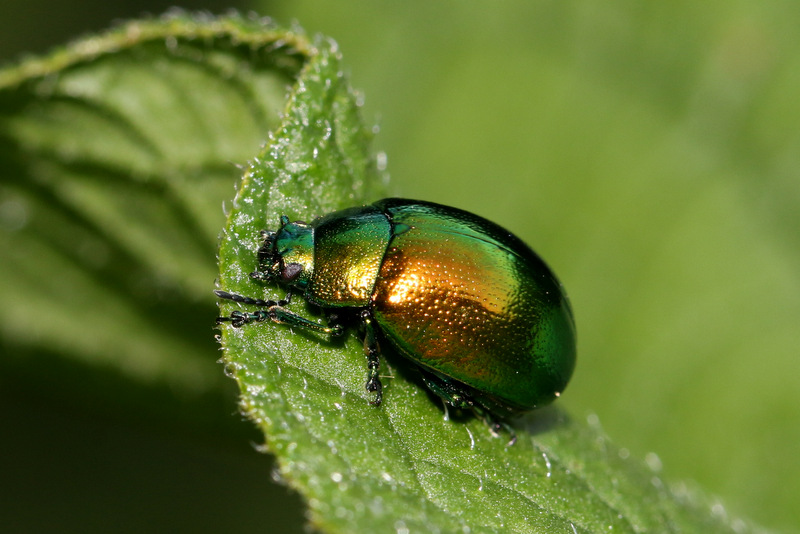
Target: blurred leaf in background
(118, 153)
(647, 151)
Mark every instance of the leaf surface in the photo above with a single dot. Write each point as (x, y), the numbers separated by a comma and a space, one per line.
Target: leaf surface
(406, 466)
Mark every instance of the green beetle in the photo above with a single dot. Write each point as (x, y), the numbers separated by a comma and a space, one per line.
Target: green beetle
(482, 316)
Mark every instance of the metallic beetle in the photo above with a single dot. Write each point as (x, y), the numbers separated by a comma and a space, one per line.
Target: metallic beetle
(482, 316)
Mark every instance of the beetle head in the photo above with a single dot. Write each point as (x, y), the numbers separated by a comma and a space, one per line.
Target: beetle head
(287, 256)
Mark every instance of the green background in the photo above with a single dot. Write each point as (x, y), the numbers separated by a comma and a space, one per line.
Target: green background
(649, 152)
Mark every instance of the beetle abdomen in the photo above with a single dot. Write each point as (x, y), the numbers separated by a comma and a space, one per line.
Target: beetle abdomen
(460, 295)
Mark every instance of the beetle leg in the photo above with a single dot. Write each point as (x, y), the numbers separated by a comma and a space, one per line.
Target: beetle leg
(455, 396)
(372, 350)
(495, 425)
(447, 391)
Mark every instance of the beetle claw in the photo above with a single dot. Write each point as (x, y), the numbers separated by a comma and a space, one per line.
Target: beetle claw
(374, 386)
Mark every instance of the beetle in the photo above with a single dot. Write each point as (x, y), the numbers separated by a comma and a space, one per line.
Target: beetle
(482, 317)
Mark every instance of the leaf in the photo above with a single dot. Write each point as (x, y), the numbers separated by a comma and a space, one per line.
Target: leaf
(403, 467)
(116, 154)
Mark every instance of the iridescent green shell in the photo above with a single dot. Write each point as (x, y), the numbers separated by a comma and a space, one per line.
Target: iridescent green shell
(454, 293)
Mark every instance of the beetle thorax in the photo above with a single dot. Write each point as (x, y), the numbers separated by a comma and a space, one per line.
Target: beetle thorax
(293, 254)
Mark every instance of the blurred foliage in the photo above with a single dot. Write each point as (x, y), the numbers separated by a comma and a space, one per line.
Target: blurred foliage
(117, 154)
(647, 151)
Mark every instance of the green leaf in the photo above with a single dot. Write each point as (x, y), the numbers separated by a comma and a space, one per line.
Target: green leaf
(117, 153)
(406, 466)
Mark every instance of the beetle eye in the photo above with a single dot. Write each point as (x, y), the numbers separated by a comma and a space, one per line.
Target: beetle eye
(291, 271)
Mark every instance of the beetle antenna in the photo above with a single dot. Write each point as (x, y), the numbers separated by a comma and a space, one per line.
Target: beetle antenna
(248, 300)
